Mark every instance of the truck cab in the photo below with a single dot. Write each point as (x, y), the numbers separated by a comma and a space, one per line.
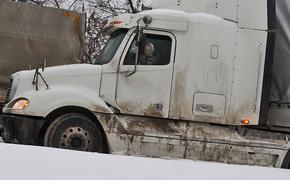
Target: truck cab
(180, 80)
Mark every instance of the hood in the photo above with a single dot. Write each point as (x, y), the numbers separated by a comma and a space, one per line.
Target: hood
(84, 76)
(62, 71)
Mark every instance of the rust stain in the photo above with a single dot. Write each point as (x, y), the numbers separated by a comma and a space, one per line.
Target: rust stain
(137, 109)
(153, 111)
(107, 122)
(207, 151)
(141, 126)
(138, 127)
(180, 104)
(128, 107)
(76, 19)
(166, 136)
(120, 129)
(111, 124)
(170, 148)
(100, 109)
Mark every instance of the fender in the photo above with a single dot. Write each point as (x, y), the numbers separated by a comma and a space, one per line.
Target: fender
(43, 102)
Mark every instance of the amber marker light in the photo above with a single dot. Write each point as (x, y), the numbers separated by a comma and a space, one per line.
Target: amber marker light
(115, 22)
(20, 104)
(112, 24)
(245, 121)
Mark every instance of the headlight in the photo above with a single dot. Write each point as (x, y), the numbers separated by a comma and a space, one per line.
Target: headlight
(20, 104)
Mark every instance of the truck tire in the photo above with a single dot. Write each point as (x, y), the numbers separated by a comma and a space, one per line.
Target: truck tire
(74, 131)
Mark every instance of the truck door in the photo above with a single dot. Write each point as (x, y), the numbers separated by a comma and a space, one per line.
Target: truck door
(147, 91)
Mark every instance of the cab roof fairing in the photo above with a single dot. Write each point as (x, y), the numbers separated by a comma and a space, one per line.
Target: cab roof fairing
(162, 19)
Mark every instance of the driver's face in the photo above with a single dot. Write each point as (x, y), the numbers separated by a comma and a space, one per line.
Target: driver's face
(148, 50)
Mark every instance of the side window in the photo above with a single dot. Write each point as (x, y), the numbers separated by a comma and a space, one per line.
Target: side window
(155, 50)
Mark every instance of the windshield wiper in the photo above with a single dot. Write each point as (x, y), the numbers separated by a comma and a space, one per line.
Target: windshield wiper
(36, 74)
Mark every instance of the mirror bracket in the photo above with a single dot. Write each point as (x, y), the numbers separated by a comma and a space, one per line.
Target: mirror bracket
(147, 20)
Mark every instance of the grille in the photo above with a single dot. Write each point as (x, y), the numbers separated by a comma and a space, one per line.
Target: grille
(9, 90)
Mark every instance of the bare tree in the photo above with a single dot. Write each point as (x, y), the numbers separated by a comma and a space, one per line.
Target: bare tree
(98, 11)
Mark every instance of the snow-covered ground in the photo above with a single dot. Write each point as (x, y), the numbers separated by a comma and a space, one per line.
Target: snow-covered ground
(39, 163)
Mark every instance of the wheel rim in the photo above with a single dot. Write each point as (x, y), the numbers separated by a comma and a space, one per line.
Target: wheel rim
(76, 138)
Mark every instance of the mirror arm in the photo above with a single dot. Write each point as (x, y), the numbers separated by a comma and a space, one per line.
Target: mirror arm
(137, 50)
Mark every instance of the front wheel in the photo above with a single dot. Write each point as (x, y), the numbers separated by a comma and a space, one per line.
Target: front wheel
(74, 131)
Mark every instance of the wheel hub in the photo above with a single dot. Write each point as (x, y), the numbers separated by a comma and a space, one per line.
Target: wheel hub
(76, 138)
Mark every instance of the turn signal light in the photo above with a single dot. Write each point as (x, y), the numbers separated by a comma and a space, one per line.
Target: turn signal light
(245, 121)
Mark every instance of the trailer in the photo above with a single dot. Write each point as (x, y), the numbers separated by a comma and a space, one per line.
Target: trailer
(279, 110)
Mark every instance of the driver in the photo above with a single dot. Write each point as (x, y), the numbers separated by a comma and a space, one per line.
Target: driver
(148, 58)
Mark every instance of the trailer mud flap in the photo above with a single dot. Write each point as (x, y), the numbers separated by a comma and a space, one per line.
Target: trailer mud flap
(286, 161)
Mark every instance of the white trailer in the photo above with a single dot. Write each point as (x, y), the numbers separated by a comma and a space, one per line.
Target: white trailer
(187, 79)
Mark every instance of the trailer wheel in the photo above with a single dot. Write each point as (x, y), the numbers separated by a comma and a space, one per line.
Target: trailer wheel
(74, 131)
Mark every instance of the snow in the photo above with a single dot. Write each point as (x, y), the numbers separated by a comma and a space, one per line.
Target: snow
(20, 162)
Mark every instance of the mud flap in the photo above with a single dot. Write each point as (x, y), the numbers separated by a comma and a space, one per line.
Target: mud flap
(286, 161)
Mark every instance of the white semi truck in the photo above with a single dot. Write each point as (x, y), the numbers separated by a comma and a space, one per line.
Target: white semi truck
(187, 79)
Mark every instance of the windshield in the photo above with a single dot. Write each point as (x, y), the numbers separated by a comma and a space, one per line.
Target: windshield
(111, 47)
